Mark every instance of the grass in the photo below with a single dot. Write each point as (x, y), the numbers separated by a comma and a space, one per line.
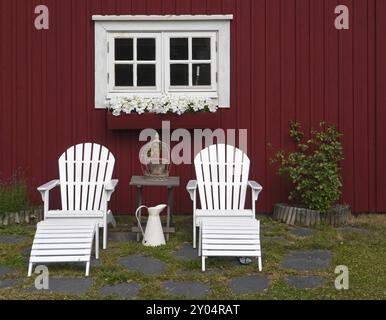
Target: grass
(362, 251)
(13, 195)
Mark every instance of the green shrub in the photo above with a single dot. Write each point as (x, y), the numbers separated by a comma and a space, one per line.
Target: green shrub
(13, 195)
(313, 168)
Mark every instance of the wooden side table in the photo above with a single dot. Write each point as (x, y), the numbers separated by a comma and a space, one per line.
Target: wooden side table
(139, 182)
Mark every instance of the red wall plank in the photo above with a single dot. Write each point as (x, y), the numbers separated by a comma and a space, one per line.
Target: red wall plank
(287, 62)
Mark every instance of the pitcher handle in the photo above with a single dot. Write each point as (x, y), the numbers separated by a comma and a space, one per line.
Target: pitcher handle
(138, 216)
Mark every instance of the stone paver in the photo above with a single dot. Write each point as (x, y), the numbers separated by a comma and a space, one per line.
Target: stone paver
(75, 286)
(11, 239)
(5, 271)
(121, 236)
(249, 284)
(186, 252)
(307, 260)
(306, 282)
(302, 232)
(348, 229)
(8, 283)
(124, 290)
(274, 238)
(146, 265)
(190, 289)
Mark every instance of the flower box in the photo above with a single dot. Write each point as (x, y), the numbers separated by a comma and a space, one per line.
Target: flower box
(192, 120)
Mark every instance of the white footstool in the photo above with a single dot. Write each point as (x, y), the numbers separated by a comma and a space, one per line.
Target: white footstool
(230, 237)
(64, 240)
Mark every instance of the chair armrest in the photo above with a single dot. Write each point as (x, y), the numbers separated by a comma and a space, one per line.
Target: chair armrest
(110, 186)
(192, 187)
(255, 186)
(47, 187)
(256, 189)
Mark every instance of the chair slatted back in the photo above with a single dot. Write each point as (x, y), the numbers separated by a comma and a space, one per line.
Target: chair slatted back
(83, 171)
(222, 176)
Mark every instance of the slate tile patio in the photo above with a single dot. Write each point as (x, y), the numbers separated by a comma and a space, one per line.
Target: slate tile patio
(307, 260)
(175, 271)
(249, 284)
(123, 290)
(11, 239)
(306, 282)
(67, 285)
(189, 289)
(146, 265)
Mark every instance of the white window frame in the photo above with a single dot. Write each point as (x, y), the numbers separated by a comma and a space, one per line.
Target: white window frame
(216, 25)
(116, 91)
(208, 91)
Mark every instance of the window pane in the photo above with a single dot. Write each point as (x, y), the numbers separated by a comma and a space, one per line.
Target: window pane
(179, 74)
(146, 49)
(201, 74)
(146, 75)
(201, 48)
(123, 75)
(179, 49)
(123, 49)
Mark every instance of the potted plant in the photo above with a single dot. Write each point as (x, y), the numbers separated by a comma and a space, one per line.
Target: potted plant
(314, 172)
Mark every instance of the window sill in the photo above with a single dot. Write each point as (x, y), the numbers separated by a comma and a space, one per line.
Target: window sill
(199, 120)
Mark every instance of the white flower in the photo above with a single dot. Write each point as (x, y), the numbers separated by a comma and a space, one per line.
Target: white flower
(160, 105)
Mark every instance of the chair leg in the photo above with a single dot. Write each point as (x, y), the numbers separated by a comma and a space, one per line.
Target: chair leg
(30, 269)
(87, 268)
(199, 242)
(194, 236)
(105, 237)
(260, 264)
(97, 242)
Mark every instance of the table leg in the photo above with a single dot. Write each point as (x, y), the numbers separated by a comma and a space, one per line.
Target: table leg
(169, 220)
(138, 198)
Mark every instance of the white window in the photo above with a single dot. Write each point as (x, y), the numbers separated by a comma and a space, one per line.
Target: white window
(154, 55)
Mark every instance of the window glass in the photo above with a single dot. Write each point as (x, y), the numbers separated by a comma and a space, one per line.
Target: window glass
(179, 74)
(146, 75)
(123, 49)
(201, 74)
(179, 49)
(124, 75)
(146, 49)
(201, 48)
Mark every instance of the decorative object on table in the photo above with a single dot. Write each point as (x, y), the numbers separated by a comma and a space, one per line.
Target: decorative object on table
(170, 183)
(314, 171)
(155, 159)
(160, 105)
(153, 235)
(222, 179)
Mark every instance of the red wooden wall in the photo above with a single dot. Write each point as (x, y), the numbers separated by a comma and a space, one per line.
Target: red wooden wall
(288, 62)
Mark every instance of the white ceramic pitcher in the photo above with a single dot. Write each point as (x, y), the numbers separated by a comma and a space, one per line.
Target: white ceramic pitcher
(153, 235)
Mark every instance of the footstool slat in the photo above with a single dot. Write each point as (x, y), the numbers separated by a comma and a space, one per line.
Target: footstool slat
(58, 241)
(225, 238)
(85, 258)
(61, 240)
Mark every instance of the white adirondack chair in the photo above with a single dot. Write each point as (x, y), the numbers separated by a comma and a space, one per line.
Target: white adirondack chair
(222, 180)
(85, 173)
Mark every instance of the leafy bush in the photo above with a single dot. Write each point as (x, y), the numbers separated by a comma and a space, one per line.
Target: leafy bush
(313, 168)
(13, 195)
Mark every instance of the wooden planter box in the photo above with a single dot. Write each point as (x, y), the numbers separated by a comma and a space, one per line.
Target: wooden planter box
(31, 216)
(198, 120)
(293, 215)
